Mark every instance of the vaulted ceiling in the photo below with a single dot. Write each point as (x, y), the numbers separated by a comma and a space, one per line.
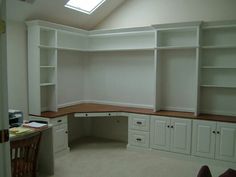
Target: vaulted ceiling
(54, 11)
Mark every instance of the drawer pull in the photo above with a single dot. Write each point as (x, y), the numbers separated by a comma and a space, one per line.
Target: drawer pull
(214, 132)
(138, 139)
(59, 121)
(86, 115)
(109, 114)
(218, 132)
(139, 123)
(171, 126)
(168, 126)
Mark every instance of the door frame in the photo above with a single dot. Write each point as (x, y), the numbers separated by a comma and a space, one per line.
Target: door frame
(5, 167)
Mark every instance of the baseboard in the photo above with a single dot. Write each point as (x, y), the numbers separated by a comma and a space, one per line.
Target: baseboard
(119, 104)
(107, 103)
(70, 103)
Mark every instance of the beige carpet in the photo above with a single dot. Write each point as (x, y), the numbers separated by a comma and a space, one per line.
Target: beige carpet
(102, 158)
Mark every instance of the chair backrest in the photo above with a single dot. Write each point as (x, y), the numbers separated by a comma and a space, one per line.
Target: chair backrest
(24, 153)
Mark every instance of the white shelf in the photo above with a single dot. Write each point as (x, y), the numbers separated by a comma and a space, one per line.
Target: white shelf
(219, 47)
(219, 86)
(46, 47)
(47, 84)
(48, 67)
(106, 50)
(176, 47)
(218, 67)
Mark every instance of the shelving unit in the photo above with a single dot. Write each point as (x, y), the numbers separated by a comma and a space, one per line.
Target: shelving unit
(218, 70)
(176, 54)
(195, 62)
(42, 66)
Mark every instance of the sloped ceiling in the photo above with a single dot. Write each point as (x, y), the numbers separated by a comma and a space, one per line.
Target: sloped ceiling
(54, 11)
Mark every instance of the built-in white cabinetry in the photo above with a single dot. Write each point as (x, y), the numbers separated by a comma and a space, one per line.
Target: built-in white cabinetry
(214, 140)
(60, 133)
(177, 49)
(139, 130)
(42, 69)
(218, 69)
(171, 134)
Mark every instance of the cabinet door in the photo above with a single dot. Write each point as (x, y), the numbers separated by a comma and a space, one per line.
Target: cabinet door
(226, 142)
(180, 135)
(203, 141)
(160, 133)
(60, 137)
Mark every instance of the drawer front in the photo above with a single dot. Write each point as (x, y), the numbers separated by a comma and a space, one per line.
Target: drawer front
(59, 120)
(139, 138)
(139, 122)
(97, 114)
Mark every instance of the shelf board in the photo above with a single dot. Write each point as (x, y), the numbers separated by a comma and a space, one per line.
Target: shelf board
(105, 50)
(219, 86)
(218, 67)
(219, 47)
(49, 67)
(46, 47)
(176, 47)
(46, 84)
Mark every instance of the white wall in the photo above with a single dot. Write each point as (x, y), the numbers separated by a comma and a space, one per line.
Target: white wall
(134, 13)
(120, 77)
(17, 66)
(70, 76)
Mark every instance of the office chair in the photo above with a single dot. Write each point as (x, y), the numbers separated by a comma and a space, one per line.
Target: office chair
(24, 153)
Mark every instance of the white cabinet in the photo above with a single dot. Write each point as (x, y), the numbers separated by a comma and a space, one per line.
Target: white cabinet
(214, 140)
(226, 142)
(60, 137)
(139, 130)
(171, 134)
(203, 138)
(60, 133)
(160, 133)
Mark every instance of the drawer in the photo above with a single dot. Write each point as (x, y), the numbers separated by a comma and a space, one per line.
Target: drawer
(97, 114)
(139, 122)
(59, 120)
(139, 138)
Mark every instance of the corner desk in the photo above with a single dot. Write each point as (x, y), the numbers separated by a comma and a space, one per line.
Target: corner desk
(171, 131)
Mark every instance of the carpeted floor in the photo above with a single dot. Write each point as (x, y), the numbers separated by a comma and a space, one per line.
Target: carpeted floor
(102, 158)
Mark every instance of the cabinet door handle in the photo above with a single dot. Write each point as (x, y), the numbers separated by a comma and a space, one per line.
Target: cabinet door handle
(213, 131)
(59, 121)
(168, 126)
(66, 132)
(140, 123)
(171, 126)
(138, 139)
(218, 132)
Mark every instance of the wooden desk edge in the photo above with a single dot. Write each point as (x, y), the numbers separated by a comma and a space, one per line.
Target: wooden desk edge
(100, 108)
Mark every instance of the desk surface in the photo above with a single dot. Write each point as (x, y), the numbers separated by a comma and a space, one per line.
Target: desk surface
(30, 132)
(96, 108)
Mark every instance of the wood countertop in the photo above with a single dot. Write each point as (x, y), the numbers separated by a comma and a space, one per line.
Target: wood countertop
(96, 108)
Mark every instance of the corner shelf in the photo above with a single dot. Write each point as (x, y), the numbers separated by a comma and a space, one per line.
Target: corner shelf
(47, 84)
(47, 67)
(47, 47)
